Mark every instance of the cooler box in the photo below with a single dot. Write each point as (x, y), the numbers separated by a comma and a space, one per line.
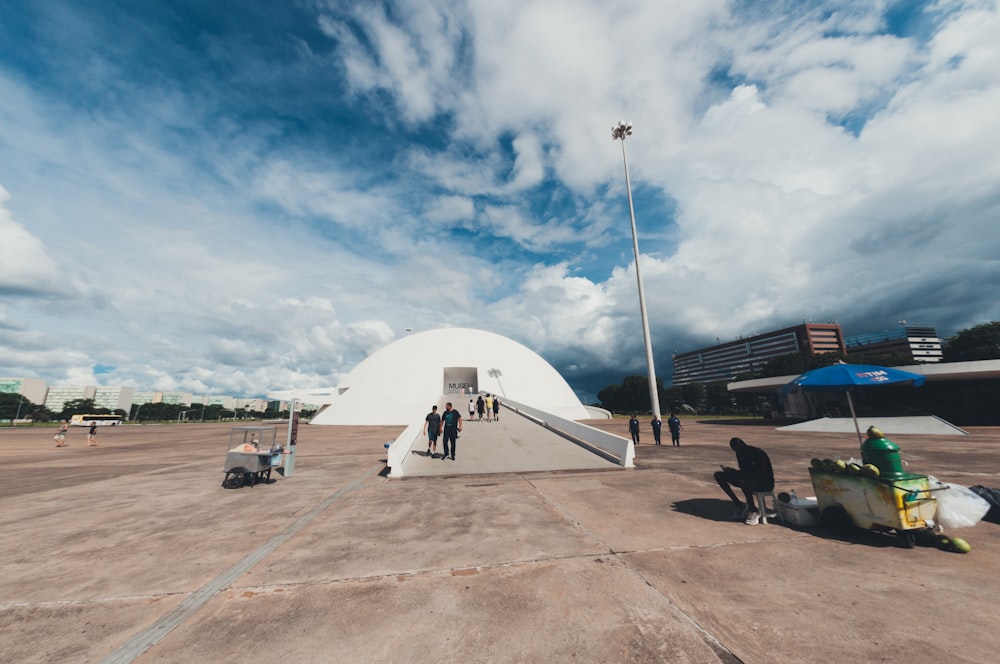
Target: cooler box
(800, 511)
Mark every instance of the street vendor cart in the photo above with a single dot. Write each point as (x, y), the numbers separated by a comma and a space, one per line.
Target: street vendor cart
(880, 495)
(250, 456)
(903, 504)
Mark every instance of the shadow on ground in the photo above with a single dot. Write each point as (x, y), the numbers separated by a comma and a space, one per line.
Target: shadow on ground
(720, 510)
(712, 509)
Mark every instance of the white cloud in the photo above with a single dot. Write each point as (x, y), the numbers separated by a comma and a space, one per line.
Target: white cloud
(529, 167)
(450, 209)
(25, 266)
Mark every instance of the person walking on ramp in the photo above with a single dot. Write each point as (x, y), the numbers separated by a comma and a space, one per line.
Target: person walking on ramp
(432, 427)
(451, 424)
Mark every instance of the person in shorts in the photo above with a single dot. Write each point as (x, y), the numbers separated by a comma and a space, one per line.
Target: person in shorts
(432, 426)
(92, 435)
(60, 436)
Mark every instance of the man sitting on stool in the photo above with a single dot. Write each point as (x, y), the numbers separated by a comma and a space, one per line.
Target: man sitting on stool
(754, 474)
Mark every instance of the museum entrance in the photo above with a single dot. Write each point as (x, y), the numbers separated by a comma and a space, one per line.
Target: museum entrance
(461, 380)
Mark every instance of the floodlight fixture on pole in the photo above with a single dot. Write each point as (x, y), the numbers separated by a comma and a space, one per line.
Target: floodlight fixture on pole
(618, 133)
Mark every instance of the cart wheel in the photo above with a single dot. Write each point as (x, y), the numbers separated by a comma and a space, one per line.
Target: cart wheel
(836, 518)
(906, 538)
(234, 479)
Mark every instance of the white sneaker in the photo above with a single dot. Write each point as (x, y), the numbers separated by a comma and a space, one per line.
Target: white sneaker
(752, 519)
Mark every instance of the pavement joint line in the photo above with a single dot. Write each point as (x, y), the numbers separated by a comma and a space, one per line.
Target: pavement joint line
(151, 635)
(711, 638)
(569, 516)
(430, 572)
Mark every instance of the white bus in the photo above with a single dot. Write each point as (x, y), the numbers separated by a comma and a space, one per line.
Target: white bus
(99, 420)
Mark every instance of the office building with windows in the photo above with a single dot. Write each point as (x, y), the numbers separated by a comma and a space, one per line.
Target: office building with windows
(920, 343)
(113, 398)
(746, 356)
(59, 394)
(145, 397)
(176, 398)
(32, 389)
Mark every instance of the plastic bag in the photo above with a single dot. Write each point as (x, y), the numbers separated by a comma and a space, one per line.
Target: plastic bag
(957, 506)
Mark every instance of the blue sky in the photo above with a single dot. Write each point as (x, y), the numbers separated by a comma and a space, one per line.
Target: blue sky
(235, 197)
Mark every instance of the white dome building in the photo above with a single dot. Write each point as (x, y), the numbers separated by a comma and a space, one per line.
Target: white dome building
(399, 383)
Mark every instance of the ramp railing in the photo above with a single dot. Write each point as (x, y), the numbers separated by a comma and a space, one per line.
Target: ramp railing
(614, 448)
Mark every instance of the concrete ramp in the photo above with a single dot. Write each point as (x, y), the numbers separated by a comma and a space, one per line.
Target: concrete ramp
(888, 425)
(511, 444)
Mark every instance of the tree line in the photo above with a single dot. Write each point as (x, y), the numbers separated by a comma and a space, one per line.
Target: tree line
(15, 406)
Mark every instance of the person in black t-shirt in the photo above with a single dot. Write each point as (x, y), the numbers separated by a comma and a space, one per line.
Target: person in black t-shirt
(432, 427)
(754, 474)
(451, 424)
(633, 428)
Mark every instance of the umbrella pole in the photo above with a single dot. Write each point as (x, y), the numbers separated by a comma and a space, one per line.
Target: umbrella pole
(855, 417)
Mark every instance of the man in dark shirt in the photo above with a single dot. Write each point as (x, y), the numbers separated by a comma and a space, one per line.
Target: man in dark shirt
(754, 474)
(674, 424)
(633, 428)
(451, 424)
(432, 427)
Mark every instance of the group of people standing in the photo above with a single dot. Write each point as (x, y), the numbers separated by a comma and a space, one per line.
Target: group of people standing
(488, 404)
(673, 424)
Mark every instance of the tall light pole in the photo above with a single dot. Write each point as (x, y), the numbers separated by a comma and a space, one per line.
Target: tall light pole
(618, 133)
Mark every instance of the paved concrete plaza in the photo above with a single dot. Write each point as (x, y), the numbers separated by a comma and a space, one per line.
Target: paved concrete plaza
(133, 552)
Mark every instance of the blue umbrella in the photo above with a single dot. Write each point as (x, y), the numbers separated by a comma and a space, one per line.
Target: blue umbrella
(846, 377)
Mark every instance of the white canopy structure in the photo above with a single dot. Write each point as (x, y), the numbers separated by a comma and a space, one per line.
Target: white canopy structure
(399, 383)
